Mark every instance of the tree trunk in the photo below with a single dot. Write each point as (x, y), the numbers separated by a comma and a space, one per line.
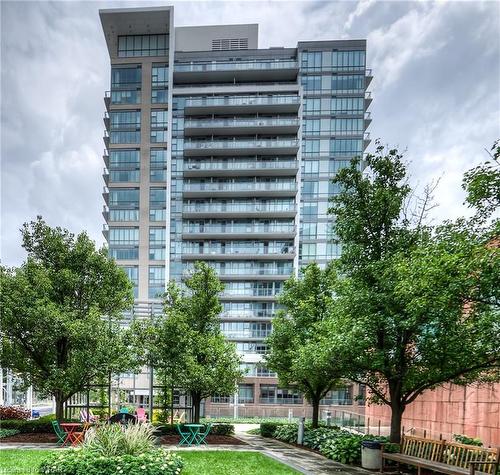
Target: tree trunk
(397, 410)
(195, 397)
(315, 415)
(59, 407)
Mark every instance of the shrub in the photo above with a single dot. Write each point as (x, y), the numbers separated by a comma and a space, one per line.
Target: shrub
(267, 429)
(344, 448)
(14, 413)
(37, 425)
(8, 432)
(113, 440)
(463, 439)
(84, 462)
(287, 433)
(314, 438)
(222, 429)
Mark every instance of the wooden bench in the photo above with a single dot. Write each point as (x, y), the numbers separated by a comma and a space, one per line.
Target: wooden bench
(445, 457)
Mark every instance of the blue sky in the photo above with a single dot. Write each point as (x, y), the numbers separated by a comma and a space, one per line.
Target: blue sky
(436, 91)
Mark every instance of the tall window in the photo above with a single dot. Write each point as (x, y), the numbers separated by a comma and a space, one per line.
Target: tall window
(133, 274)
(125, 119)
(124, 159)
(142, 45)
(159, 75)
(125, 77)
(124, 236)
(125, 197)
(156, 281)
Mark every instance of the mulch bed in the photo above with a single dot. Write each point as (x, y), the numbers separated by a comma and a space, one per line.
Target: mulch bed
(41, 438)
(211, 440)
(31, 438)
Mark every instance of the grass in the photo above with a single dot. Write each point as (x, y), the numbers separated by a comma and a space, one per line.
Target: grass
(220, 462)
(17, 461)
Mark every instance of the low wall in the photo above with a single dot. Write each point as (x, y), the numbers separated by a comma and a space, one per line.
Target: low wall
(470, 410)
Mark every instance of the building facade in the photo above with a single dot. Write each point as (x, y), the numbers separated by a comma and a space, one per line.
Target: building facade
(219, 151)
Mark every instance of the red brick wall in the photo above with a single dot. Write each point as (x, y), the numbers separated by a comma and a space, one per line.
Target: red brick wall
(473, 411)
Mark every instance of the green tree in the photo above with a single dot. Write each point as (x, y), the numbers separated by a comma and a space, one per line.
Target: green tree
(58, 313)
(416, 307)
(297, 332)
(188, 343)
(482, 185)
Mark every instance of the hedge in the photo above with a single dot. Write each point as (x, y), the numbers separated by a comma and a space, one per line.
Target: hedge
(43, 424)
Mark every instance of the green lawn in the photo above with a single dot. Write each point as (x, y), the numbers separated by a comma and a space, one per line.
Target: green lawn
(197, 463)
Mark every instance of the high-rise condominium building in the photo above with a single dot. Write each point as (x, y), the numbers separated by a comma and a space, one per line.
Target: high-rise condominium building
(219, 151)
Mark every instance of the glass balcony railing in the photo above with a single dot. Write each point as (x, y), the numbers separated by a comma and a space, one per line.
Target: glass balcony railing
(239, 208)
(241, 186)
(270, 250)
(241, 165)
(257, 122)
(246, 333)
(256, 228)
(250, 292)
(237, 144)
(235, 66)
(253, 270)
(242, 101)
(246, 314)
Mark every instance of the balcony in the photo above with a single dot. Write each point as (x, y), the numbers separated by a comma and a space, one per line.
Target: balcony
(246, 334)
(240, 189)
(232, 167)
(242, 104)
(257, 231)
(235, 126)
(250, 210)
(106, 120)
(105, 176)
(107, 99)
(368, 99)
(105, 138)
(246, 314)
(226, 71)
(241, 147)
(105, 194)
(228, 253)
(368, 118)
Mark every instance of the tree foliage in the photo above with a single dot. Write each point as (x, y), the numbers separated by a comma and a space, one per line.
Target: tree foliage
(482, 185)
(416, 306)
(297, 332)
(59, 311)
(187, 344)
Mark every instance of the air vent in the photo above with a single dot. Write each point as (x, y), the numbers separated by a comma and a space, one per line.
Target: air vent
(223, 44)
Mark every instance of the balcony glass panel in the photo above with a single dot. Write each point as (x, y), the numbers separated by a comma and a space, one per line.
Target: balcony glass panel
(246, 329)
(249, 268)
(240, 165)
(242, 100)
(242, 186)
(240, 207)
(236, 66)
(255, 122)
(237, 144)
(259, 289)
(239, 228)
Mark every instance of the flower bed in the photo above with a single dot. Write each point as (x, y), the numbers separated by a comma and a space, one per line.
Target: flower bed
(332, 442)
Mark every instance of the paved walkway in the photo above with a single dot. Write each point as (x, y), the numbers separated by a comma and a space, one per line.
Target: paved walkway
(304, 461)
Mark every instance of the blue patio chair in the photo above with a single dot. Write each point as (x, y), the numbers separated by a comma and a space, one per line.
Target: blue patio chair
(201, 436)
(185, 436)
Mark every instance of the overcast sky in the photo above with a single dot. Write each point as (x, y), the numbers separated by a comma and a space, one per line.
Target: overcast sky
(436, 89)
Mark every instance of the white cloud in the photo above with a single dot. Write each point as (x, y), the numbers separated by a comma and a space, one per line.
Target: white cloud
(436, 76)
